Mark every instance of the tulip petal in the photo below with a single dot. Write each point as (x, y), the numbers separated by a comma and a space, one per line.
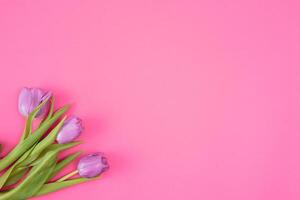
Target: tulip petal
(92, 165)
(70, 131)
(30, 98)
(25, 101)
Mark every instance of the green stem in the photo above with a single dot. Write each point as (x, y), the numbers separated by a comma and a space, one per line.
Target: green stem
(67, 176)
(25, 133)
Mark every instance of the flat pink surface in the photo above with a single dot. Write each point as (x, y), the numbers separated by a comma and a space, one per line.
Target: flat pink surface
(189, 99)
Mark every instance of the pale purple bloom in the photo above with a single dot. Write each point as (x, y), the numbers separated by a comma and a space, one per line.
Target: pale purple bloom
(92, 165)
(30, 98)
(71, 129)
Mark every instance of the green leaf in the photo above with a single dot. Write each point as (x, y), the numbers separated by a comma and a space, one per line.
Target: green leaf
(63, 163)
(53, 187)
(4, 177)
(30, 140)
(61, 147)
(56, 148)
(60, 112)
(1, 148)
(34, 181)
(16, 175)
(51, 110)
(43, 144)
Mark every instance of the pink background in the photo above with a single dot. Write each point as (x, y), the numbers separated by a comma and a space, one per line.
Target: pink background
(189, 99)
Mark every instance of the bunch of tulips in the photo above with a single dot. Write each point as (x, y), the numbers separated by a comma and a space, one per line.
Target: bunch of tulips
(31, 167)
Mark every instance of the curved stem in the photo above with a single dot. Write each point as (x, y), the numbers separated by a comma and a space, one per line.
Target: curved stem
(26, 129)
(67, 176)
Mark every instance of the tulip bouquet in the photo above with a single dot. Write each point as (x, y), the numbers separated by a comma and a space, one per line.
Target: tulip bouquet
(30, 168)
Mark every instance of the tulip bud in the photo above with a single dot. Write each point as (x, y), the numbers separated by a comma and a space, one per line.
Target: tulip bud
(92, 165)
(30, 98)
(71, 129)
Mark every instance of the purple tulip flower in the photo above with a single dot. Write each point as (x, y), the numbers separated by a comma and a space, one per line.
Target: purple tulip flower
(92, 165)
(30, 98)
(71, 129)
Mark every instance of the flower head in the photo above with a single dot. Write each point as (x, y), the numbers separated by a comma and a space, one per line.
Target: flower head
(71, 129)
(92, 165)
(30, 98)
